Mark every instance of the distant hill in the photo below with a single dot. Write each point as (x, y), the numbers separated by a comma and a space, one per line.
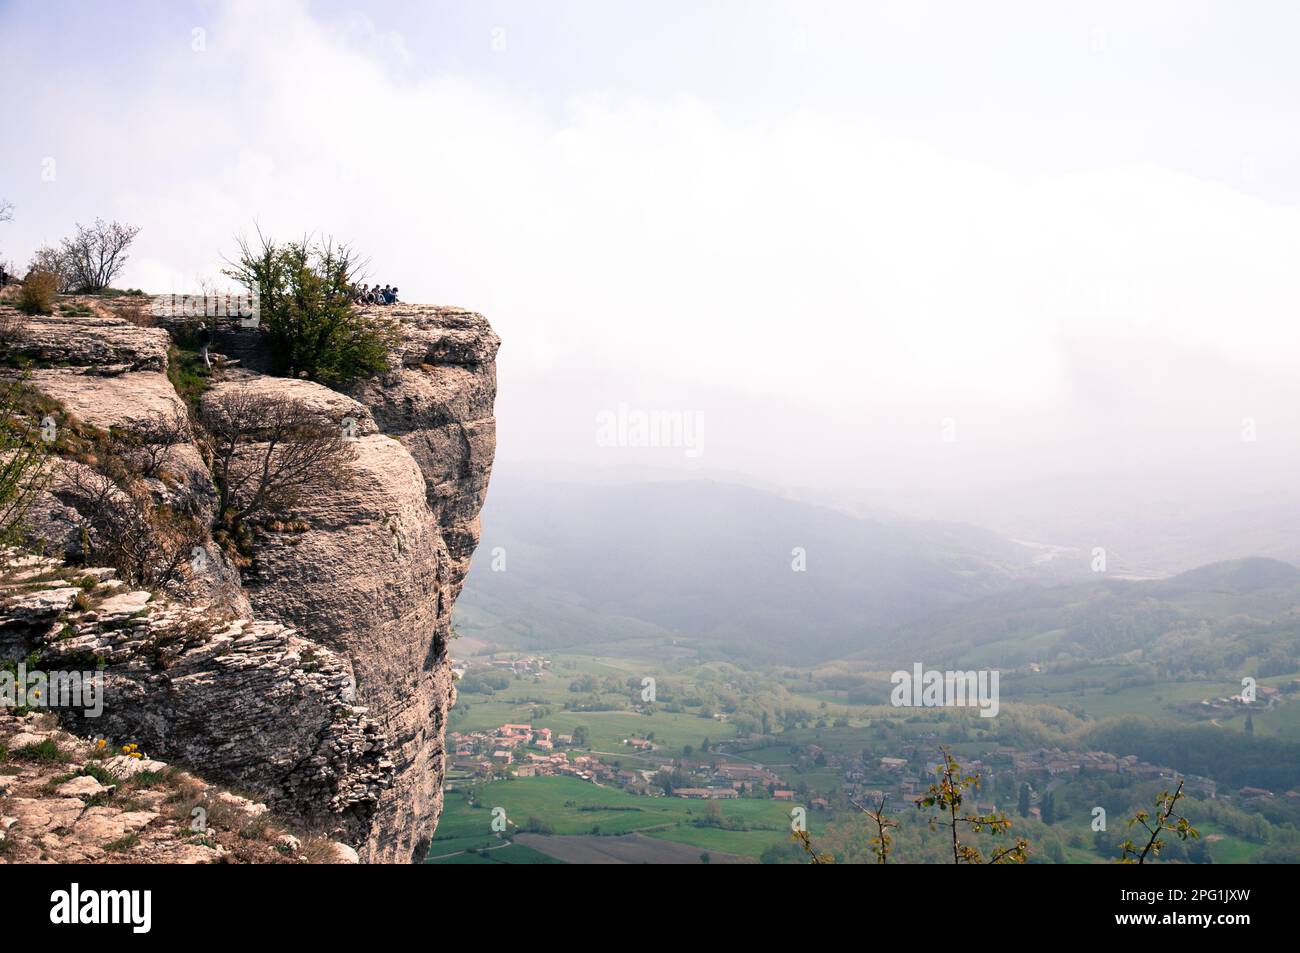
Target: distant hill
(1238, 575)
(1214, 618)
(712, 561)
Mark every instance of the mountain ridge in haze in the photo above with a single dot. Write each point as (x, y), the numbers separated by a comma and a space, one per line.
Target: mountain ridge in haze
(714, 561)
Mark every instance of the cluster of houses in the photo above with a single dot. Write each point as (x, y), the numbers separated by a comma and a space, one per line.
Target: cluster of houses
(529, 665)
(486, 748)
(725, 780)
(528, 752)
(1054, 761)
(901, 779)
(903, 776)
(525, 751)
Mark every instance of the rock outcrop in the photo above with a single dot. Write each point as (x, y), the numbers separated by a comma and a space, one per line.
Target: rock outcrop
(322, 686)
(71, 800)
(250, 701)
(93, 342)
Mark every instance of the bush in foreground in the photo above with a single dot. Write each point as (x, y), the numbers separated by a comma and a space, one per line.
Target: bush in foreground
(37, 296)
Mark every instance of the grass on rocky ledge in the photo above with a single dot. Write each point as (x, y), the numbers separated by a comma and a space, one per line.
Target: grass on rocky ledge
(47, 751)
(188, 374)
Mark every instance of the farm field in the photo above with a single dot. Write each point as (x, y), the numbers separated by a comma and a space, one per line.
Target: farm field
(570, 807)
(623, 849)
(812, 740)
(540, 701)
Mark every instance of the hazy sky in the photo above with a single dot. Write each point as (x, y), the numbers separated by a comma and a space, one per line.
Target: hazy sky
(1069, 231)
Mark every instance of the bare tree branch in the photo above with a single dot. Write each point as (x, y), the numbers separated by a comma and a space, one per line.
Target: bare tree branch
(95, 255)
(268, 454)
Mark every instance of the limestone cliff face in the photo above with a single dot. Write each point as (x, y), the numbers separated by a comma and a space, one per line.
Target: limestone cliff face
(323, 682)
(438, 402)
(377, 572)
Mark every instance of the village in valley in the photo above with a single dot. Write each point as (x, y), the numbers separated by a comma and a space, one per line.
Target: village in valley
(724, 759)
(525, 751)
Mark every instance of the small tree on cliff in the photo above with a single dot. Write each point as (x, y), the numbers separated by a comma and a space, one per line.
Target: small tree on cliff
(268, 454)
(305, 293)
(23, 473)
(96, 254)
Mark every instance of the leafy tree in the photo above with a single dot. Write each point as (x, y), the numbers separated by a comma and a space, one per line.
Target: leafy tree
(304, 291)
(1023, 806)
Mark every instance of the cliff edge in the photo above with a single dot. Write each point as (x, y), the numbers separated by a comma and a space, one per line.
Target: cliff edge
(310, 670)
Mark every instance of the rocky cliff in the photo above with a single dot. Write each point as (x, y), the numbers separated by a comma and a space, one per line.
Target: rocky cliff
(313, 672)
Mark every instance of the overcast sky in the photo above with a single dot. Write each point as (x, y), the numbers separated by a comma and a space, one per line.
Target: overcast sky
(1067, 232)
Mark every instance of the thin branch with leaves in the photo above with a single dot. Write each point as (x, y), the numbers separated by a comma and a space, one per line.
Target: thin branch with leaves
(882, 844)
(1166, 819)
(947, 794)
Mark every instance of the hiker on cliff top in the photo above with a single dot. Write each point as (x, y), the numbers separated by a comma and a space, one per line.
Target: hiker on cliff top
(203, 337)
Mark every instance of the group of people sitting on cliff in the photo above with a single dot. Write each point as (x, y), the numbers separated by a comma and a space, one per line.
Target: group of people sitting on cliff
(374, 295)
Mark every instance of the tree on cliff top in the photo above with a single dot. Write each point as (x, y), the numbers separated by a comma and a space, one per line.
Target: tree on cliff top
(305, 299)
(96, 254)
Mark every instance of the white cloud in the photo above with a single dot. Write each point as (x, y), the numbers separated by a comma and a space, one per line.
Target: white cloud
(824, 288)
